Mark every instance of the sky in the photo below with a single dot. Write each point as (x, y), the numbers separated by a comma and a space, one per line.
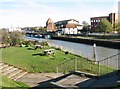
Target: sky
(31, 13)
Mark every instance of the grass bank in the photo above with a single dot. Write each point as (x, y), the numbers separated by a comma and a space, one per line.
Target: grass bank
(31, 61)
(8, 83)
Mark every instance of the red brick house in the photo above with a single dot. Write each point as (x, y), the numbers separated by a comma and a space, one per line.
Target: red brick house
(50, 25)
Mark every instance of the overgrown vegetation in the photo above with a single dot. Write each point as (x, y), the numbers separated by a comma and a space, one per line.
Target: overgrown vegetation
(116, 27)
(11, 38)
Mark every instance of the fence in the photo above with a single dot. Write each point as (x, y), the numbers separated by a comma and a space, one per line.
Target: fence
(101, 67)
(110, 63)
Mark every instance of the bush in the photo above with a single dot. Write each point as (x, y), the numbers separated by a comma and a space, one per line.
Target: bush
(44, 43)
(12, 38)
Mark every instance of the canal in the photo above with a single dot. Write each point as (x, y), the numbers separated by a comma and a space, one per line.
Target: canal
(84, 50)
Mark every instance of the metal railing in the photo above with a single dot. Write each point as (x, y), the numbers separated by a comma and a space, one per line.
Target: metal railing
(108, 64)
(66, 67)
(98, 68)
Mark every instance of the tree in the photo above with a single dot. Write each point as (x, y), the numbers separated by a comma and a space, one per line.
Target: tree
(15, 37)
(4, 36)
(105, 26)
(116, 27)
(11, 38)
(86, 26)
(42, 30)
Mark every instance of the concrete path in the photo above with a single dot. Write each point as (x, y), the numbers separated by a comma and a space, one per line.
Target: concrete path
(11, 72)
(33, 79)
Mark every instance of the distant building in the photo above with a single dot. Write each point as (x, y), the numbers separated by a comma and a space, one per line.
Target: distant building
(50, 25)
(113, 18)
(28, 30)
(15, 29)
(95, 21)
(70, 26)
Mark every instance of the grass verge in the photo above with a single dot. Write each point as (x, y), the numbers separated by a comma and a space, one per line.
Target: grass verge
(8, 83)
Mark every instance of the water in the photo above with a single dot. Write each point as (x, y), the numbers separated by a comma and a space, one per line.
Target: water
(84, 50)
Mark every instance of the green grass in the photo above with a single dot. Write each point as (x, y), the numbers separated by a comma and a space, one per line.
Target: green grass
(6, 82)
(23, 58)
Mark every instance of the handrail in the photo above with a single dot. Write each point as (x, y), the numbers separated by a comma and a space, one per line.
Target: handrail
(65, 62)
(90, 65)
(109, 57)
(62, 64)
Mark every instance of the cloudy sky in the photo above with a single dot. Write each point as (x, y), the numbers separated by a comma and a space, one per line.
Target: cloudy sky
(23, 13)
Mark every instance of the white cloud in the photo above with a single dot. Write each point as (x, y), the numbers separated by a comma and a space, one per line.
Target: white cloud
(35, 13)
(57, 0)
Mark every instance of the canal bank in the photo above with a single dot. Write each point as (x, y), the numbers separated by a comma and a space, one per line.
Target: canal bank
(103, 43)
(84, 50)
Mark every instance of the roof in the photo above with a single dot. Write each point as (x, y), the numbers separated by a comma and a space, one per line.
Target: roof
(72, 25)
(99, 17)
(65, 21)
(49, 21)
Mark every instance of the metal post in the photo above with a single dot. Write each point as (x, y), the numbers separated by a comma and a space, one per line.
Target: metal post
(94, 52)
(107, 64)
(98, 68)
(57, 71)
(75, 64)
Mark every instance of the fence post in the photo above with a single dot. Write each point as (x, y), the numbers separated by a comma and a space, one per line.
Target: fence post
(98, 68)
(75, 64)
(57, 71)
(94, 52)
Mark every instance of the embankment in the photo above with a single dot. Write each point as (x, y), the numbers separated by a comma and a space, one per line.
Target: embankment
(98, 42)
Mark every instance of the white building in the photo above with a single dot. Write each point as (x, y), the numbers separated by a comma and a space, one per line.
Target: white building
(70, 26)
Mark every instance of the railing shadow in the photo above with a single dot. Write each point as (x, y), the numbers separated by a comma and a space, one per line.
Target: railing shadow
(91, 82)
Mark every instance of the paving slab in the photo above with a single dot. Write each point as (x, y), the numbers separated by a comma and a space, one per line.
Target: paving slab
(33, 79)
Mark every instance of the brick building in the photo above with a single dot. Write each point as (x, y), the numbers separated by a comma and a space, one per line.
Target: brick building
(95, 21)
(50, 25)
